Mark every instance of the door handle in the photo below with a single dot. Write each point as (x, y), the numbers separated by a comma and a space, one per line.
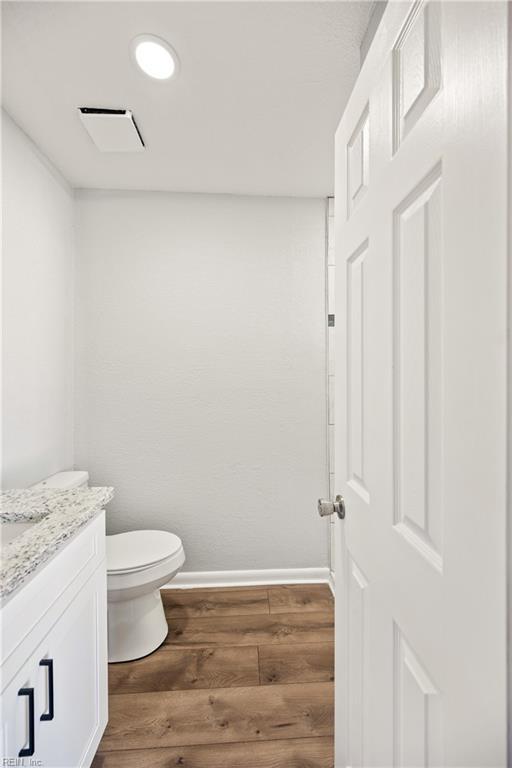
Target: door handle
(326, 507)
(28, 751)
(48, 663)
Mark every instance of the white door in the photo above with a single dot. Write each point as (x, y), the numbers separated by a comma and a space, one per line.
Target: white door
(421, 250)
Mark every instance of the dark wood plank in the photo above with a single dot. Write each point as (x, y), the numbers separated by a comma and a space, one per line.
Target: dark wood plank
(182, 669)
(299, 598)
(290, 753)
(214, 602)
(299, 663)
(252, 630)
(178, 718)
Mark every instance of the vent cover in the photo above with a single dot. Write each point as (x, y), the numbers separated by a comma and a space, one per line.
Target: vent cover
(112, 130)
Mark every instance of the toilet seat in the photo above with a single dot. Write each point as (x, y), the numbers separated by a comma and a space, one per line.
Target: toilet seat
(140, 560)
(136, 551)
(121, 584)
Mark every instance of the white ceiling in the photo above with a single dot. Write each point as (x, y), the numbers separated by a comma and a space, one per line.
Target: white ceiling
(253, 110)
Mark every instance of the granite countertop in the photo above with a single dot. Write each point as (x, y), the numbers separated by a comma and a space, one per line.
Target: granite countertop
(55, 515)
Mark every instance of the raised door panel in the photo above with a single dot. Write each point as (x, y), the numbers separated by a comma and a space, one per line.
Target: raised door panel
(416, 67)
(357, 659)
(355, 371)
(417, 710)
(358, 161)
(418, 368)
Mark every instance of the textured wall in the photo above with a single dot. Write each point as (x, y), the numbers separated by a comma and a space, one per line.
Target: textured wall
(37, 314)
(201, 371)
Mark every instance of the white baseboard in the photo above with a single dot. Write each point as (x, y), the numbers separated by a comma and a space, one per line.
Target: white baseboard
(197, 579)
(332, 582)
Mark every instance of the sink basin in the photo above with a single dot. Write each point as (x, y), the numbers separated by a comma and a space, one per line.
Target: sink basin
(10, 531)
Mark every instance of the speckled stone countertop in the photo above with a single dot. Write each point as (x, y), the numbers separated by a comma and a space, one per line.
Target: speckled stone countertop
(57, 515)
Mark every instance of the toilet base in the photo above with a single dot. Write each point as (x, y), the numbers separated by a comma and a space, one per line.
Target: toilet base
(136, 627)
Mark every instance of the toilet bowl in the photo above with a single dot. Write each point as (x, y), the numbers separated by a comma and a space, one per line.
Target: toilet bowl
(138, 564)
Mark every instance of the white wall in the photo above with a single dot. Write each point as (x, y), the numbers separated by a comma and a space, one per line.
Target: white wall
(37, 313)
(201, 371)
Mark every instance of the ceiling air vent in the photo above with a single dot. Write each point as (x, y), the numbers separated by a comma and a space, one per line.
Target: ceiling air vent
(112, 130)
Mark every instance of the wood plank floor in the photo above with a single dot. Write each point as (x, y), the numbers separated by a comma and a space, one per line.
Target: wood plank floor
(243, 680)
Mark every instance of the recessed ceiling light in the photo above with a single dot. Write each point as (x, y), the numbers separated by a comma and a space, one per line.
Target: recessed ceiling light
(154, 56)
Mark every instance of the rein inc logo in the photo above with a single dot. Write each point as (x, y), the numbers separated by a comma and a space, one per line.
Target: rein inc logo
(22, 762)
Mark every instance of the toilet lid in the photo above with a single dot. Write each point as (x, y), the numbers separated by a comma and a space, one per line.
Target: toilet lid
(140, 549)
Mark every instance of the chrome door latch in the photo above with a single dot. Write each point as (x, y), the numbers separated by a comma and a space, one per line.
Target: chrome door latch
(326, 507)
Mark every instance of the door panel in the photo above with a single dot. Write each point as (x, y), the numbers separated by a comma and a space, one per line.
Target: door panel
(418, 367)
(418, 738)
(417, 67)
(420, 436)
(357, 653)
(356, 307)
(358, 161)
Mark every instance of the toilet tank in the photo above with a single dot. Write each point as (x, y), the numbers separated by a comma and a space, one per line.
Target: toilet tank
(64, 481)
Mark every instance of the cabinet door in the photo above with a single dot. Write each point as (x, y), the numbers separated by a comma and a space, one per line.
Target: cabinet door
(20, 726)
(77, 649)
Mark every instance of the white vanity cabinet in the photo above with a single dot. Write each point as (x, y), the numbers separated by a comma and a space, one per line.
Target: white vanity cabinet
(54, 658)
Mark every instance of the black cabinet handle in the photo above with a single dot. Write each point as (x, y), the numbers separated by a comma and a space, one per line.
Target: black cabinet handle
(48, 663)
(28, 751)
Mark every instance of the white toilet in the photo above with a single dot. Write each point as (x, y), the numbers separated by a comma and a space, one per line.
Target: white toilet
(138, 564)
